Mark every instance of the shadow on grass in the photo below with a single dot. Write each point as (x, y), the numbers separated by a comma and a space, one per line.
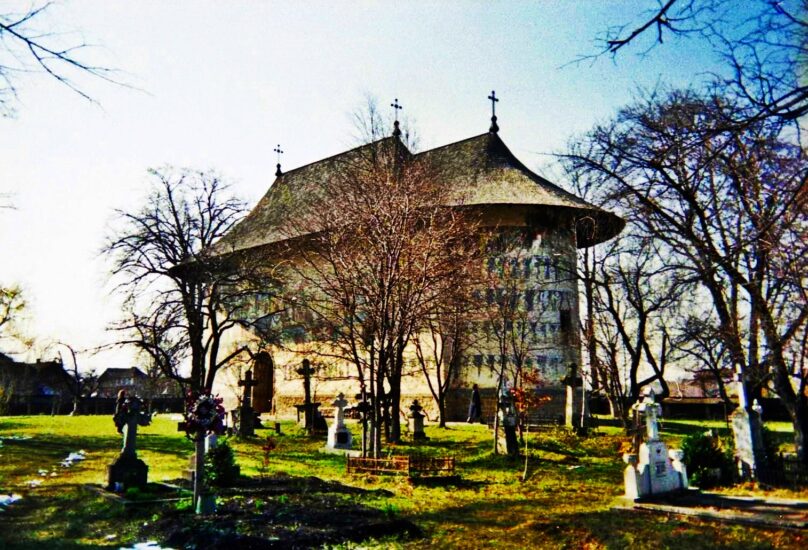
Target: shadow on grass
(526, 523)
(59, 520)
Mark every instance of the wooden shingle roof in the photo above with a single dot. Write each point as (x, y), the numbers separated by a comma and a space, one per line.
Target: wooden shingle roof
(480, 171)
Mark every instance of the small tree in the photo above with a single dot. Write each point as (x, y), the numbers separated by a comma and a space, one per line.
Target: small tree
(513, 321)
(12, 308)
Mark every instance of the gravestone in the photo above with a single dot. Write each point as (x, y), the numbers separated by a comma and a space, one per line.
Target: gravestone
(571, 381)
(508, 420)
(128, 470)
(656, 470)
(747, 428)
(364, 408)
(262, 394)
(309, 409)
(339, 436)
(416, 423)
(246, 415)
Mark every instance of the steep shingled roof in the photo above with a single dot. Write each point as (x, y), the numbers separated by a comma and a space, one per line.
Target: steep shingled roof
(480, 170)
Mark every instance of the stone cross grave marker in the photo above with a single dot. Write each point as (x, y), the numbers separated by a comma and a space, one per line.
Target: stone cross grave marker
(747, 429)
(417, 422)
(246, 417)
(339, 436)
(128, 470)
(309, 408)
(658, 470)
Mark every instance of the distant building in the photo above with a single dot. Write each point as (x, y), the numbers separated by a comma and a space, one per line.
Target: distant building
(31, 388)
(136, 382)
(112, 380)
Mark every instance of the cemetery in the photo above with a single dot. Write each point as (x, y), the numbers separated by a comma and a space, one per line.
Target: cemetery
(286, 492)
(573, 314)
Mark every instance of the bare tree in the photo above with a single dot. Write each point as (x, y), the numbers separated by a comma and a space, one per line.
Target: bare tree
(181, 297)
(765, 47)
(28, 46)
(699, 342)
(381, 252)
(725, 208)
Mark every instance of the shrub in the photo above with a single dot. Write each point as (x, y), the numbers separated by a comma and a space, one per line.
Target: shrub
(709, 463)
(220, 465)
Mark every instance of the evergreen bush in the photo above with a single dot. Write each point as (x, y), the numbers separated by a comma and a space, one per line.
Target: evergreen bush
(220, 465)
(709, 463)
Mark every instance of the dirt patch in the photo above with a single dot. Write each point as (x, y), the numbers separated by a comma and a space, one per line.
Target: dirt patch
(283, 512)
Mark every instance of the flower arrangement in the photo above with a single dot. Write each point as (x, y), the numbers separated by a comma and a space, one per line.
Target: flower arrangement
(204, 414)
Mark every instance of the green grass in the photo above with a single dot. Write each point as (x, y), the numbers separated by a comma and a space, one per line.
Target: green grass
(564, 503)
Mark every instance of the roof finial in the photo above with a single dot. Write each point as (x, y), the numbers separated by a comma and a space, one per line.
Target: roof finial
(278, 150)
(396, 108)
(494, 127)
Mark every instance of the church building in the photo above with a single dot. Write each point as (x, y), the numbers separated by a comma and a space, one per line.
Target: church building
(508, 198)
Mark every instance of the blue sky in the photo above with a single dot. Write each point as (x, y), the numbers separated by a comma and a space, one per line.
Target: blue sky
(219, 84)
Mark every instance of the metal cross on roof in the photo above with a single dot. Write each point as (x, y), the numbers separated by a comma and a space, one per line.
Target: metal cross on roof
(279, 152)
(396, 108)
(494, 100)
(395, 105)
(493, 97)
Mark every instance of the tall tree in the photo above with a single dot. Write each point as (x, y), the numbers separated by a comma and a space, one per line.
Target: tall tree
(181, 297)
(726, 209)
(382, 251)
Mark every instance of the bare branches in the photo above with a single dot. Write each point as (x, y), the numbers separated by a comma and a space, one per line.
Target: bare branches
(24, 48)
(381, 256)
(181, 297)
(661, 21)
(765, 50)
(725, 207)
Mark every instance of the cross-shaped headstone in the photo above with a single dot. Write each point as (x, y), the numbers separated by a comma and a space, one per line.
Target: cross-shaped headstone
(493, 97)
(133, 417)
(248, 383)
(279, 152)
(306, 371)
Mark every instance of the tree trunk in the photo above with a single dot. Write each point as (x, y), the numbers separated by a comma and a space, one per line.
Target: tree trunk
(800, 421)
(442, 410)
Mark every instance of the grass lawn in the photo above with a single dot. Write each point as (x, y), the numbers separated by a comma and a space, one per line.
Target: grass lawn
(564, 503)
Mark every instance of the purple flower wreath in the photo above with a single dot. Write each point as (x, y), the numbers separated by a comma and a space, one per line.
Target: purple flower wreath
(204, 414)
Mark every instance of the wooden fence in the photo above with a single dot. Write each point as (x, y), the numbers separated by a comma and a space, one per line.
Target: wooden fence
(412, 466)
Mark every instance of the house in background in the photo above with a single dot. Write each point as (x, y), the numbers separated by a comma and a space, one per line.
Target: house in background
(43, 387)
(112, 380)
(136, 382)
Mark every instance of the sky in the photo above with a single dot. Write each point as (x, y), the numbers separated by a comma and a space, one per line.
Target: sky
(217, 85)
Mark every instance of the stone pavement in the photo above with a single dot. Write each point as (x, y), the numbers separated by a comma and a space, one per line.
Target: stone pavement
(770, 512)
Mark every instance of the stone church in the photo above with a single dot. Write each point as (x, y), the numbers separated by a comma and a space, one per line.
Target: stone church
(509, 198)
